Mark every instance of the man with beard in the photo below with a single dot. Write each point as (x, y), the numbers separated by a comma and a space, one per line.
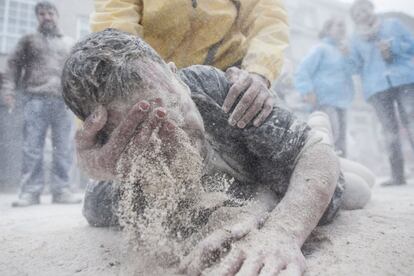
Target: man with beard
(35, 67)
(129, 97)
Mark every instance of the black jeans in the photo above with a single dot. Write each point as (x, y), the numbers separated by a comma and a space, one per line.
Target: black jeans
(389, 105)
(337, 116)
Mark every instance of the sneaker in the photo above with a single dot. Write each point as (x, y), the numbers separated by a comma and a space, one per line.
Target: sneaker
(25, 200)
(66, 197)
(390, 183)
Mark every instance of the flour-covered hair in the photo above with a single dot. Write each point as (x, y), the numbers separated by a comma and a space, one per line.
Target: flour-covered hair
(102, 68)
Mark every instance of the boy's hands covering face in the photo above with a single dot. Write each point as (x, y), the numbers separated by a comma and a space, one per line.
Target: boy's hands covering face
(100, 161)
(256, 102)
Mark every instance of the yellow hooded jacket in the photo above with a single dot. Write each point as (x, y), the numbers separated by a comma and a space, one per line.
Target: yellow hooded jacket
(213, 32)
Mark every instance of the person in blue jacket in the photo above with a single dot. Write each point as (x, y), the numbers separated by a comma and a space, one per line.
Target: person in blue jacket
(382, 53)
(324, 80)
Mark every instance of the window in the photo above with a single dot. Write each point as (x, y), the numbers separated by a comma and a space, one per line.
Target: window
(17, 18)
(82, 27)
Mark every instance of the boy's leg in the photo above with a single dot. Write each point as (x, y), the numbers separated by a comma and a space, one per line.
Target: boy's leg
(341, 142)
(357, 193)
(348, 166)
(35, 127)
(384, 105)
(338, 126)
(405, 101)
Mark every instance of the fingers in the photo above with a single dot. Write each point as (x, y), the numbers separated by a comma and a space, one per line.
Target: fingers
(267, 109)
(154, 122)
(231, 264)
(167, 131)
(272, 266)
(252, 265)
(275, 265)
(123, 133)
(242, 84)
(245, 103)
(253, 110)
(292, 269)
(206, 252)
(86, 137)
(256, 98)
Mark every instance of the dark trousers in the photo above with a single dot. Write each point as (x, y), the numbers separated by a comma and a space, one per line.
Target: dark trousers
(389, 105)
(337, 116)
(40, 113)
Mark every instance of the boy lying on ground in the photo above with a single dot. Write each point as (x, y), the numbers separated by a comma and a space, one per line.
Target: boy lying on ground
(128, 96)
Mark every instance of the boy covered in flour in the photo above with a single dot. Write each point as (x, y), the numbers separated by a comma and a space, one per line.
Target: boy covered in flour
(128, 95)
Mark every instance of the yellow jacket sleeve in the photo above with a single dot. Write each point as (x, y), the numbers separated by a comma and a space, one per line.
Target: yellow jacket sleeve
(267, 33)
(123, 15)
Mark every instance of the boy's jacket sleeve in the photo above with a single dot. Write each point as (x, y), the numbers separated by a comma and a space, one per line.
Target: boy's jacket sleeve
(123, 15)
(268, 36)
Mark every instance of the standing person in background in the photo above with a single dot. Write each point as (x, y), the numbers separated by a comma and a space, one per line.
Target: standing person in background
(325, 81)
(382, 52)
(247, 37)
(36, 67)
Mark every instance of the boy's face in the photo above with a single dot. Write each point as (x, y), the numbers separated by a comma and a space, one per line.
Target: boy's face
(338, 29)
(363, 14)
(162, 86)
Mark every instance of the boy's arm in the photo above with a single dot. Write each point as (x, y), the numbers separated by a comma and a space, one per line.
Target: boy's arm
(275, 248)
(264, 24)
(403, 43)
(266, 27)
(306, 70)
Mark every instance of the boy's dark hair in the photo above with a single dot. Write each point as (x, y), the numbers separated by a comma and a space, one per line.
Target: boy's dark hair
(46, 6)
(101, 69)
(357, 3)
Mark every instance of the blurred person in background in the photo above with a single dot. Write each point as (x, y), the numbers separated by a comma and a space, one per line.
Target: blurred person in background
(381, 53)
(324, 79)
(36, 66)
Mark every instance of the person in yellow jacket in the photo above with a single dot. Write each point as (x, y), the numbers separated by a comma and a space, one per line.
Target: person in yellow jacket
(245, 37)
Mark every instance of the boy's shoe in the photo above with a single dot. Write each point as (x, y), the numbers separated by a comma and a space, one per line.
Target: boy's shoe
(25, 200)
(390, 183)
(66, 197)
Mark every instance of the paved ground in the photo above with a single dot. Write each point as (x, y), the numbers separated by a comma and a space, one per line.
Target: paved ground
(55, 240)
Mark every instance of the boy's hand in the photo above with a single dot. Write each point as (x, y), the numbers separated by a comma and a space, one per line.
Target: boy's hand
(256, 103)
(217, 243)
(263, 253)
(385, 48)
(100, 161)
(252, 252)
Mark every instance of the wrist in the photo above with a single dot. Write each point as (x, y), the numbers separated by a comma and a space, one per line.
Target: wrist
(265, 81)
(281, 231)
